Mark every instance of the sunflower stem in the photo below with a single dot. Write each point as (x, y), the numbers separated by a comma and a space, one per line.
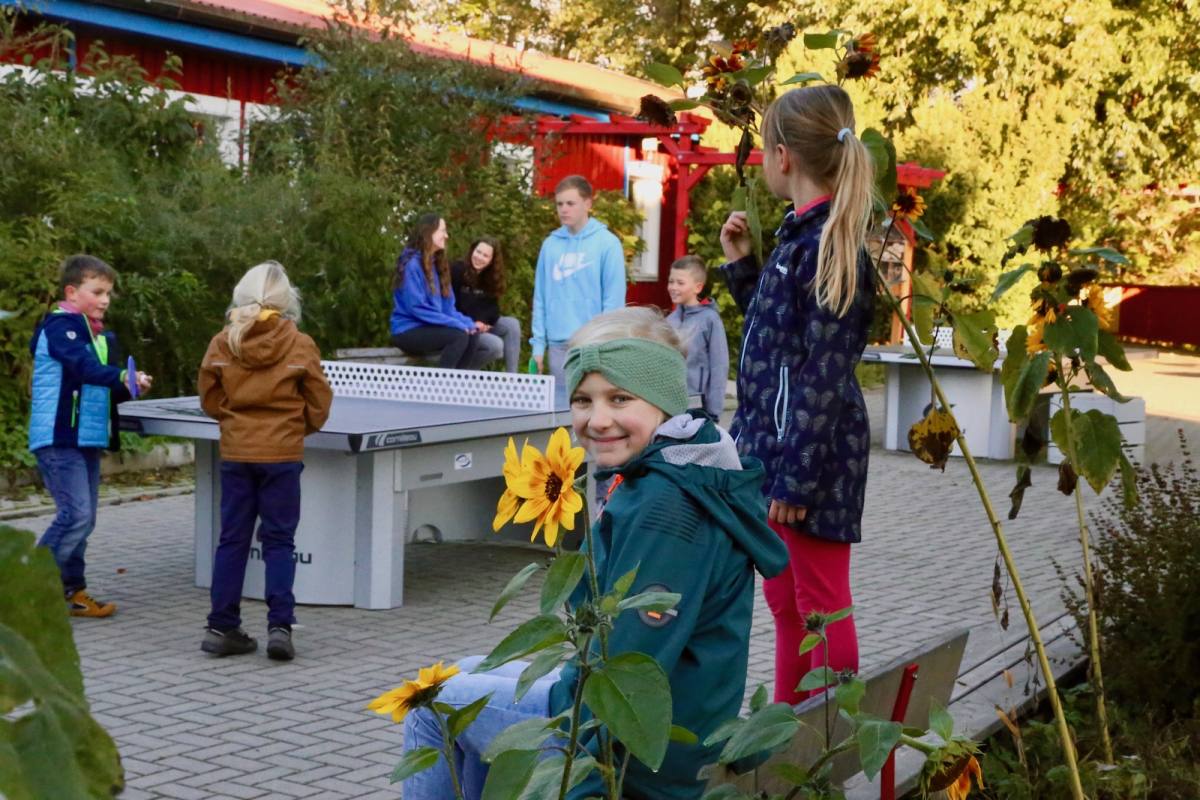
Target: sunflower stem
(607, 755)
(448, 751)
(585, 669)
(1064, 731)
(1089, 587)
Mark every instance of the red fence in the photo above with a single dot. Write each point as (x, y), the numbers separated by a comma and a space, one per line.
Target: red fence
(1167, 314)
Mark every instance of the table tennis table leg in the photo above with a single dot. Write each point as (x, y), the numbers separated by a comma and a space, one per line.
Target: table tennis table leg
(380, 523)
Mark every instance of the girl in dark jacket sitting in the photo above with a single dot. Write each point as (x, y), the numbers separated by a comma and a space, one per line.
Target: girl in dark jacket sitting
(424, 319)
(478, 285)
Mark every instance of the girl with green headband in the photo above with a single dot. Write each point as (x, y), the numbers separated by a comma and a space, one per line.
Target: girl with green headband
(686, 512)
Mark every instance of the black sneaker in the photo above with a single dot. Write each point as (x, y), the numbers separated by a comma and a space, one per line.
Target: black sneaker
(228, 643)
(279, 644)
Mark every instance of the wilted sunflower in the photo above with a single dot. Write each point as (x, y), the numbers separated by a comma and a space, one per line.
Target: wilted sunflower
(510, 501)
(863, 43)
(656, 111)
(1050, 233)
(858, 64)
(908, 204)
(955, 780)
(1095, 301)
(548, 484)
(1033, 338)
(413, 694)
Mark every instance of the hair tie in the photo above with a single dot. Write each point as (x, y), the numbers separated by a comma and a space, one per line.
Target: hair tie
(843, 133)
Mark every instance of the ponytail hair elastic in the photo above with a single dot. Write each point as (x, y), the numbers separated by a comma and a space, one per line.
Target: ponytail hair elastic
(843, 133)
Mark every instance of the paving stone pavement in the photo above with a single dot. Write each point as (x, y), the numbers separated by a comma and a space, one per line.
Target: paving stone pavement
(192, 726)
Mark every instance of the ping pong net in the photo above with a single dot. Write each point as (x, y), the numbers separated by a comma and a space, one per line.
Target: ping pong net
(456, 387)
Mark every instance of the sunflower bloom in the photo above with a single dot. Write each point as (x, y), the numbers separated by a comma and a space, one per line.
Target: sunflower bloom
(1033, 341)
(1095, 301)
(962, 785)
(864, 43)
(413, 694)
(548, 485)
(908, 204)
(510, 501)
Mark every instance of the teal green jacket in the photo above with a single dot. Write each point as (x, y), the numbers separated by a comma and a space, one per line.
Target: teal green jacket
(689, 515)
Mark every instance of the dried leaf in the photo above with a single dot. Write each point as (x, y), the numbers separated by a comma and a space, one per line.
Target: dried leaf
(1017, 495)
(931, 439)
(1067, 479)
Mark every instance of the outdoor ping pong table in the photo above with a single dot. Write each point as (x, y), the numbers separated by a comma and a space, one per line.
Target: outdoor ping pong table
(405, 449)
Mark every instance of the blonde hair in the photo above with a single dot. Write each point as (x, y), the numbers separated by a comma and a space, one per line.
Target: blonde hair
(810, 122)
(631, 322)
(264, 287)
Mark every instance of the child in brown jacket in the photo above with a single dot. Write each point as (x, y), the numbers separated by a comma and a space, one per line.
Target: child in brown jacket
(261, 379)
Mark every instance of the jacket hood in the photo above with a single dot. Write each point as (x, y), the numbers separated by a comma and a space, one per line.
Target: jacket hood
(702, 460)
(591, 228)
(267, 342)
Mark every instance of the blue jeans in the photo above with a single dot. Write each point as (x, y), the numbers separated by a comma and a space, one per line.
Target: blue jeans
(421, 729)
(72, 475)
(249, 492)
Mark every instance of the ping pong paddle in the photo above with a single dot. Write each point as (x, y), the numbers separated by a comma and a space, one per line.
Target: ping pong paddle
(131, 377)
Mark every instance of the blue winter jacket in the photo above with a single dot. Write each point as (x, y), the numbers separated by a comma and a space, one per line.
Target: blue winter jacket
(578, 276)
(415, 305)
(800, 408)
(74, 392)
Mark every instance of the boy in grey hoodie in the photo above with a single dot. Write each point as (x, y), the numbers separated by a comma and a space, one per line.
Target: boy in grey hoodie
(699, 325)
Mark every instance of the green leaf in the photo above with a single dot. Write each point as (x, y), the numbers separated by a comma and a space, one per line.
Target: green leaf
(1097, 447)
(1028, 385)
(810, 641)
(940, 721)
(753, 219)
(754, 75)
(767, 729)
(1023, 237)
(541, 665)
(515, 584)
(724, 792)
(631, 694)
(1111, 349)
(1076, 329)
(1129, 490)
(531, 636)
(528, 734)
(850, 694)
(1102, 382)
(725, 730)
(921, 229)
(509, 774)
(876, 740)
(682, 735)
(974, 339)
(621, 587)
(792, 773)
(683, 105)
(415, 761)
(738, 201)
(817, 679)
(651, 601)
(759, 699)
(1009, 279)
(1106, 253)
(547, 776)
(820, 41)
(561, 580)
(839, 615)
(1058, 429)
(664, 74)
(928, 287)
(463, 717)
(802, 77)
(1014, 361)
(883, 155)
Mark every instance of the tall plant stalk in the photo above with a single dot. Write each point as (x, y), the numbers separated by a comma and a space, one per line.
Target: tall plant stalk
(1097, 675)
(1064, 731)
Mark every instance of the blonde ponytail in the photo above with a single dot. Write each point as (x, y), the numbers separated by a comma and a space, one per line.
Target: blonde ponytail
(816, 123)
(262, 292)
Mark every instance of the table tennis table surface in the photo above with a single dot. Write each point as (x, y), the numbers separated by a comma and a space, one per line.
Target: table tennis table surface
(358, 424)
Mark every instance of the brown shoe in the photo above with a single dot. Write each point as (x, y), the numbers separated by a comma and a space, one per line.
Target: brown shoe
(82, 604)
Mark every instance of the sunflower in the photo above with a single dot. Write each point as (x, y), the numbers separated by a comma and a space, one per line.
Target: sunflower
(858, 64)
(1034, 332)
(908, 204)
(510, 501)
(863, 43)
(960, 785)
(1050, 233)
(413, 694)
(1095, 301)
(950, 767)
(656, 111)
(717, 67)
(548, 485)
(744, 46)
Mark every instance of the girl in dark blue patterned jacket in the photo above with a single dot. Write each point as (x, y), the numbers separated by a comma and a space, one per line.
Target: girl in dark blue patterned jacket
(800, 408)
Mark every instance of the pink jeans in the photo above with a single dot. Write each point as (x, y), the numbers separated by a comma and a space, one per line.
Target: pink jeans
(817, 579)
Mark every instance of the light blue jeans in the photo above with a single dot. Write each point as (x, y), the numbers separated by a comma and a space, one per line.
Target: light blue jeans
(421, 729)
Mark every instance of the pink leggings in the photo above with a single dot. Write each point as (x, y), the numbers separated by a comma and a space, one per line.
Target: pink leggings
(817, 579)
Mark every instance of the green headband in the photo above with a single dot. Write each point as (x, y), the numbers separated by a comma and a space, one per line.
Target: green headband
(654, 372)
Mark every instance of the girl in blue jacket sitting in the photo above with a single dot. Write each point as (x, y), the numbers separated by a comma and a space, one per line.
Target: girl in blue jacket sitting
(686, 514)
(800, 408)
(424, 319)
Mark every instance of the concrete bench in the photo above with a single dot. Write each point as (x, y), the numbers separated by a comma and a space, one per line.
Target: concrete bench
(936, 669)
(378, 355)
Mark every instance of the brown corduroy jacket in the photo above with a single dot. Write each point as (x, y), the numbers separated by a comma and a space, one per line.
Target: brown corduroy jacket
(268, 399)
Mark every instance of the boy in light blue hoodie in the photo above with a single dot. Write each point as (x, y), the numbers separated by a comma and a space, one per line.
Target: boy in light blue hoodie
(580, 274)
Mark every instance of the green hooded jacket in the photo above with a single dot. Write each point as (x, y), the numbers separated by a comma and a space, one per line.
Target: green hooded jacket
(689, 516)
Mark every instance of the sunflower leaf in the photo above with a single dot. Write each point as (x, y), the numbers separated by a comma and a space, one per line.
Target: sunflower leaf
(1112, 351)
(818, 678)
(541, 665)
(509, 774)
(769, 728)
(1129, 490)
(802, 77)
(820, 41)
(1009, 279)
(664, 74)
(621, 587)
(415, 761)
(531, 636)
(810, 641)
(683, 105)
(632, 695)
(876, 740)
(528, 734)
(1106, 253)
(561, 580)
(651, 601)
(515, 585)
(463, 717)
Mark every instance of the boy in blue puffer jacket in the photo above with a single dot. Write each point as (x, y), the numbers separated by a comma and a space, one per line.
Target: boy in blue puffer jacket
(75, 392)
